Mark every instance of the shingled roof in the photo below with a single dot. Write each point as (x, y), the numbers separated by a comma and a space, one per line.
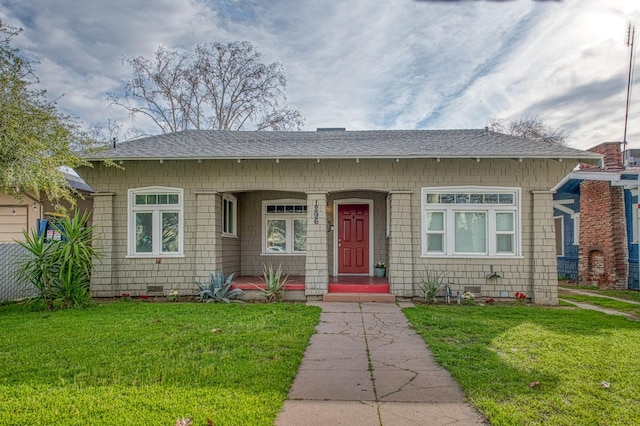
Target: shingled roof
(219, 144)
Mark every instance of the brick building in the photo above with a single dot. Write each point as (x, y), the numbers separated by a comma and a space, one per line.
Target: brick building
(596, 222)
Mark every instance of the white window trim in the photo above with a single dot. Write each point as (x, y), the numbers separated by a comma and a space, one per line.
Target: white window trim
(634, 224)
(576, 228)
(388, 201)
(561, 254)
(157, 210)
(232, 200)
(436, 232)
(289, 217)
(635, 235)
(490, 209)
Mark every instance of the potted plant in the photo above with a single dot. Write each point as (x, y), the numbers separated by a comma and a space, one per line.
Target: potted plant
(380, 269)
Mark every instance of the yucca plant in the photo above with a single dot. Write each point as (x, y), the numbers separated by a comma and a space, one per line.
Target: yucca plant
(39, 268)
(218, 289)
(75, 256)
(61, 270)
(274, 282)
(430, 285)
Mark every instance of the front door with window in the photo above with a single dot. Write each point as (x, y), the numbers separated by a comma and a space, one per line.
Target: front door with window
(353, 239)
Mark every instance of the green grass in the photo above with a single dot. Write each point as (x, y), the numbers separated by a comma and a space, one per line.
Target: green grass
(620, 294)
(496, 352)
(630, 308)
(565, 303)
(148, 363)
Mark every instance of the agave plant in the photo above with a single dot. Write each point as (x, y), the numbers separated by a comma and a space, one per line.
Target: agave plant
(274, 282)
(218, 289)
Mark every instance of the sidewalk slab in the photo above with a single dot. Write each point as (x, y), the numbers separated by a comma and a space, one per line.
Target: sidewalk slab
(366, 366)
(325, 413)
(413, 414)
(333, 385)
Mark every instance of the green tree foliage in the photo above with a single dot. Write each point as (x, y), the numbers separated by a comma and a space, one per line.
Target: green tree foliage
(35, 138)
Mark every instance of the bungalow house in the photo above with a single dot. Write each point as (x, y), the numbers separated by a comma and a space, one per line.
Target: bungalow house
(327, 206)
(596, 220)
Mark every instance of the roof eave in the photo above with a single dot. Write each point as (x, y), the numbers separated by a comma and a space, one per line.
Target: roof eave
(590, 159)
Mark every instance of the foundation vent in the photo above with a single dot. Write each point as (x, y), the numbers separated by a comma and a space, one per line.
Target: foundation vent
(476, 290)
(155, 289)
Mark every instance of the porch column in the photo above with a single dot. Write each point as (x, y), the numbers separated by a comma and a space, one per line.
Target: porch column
(317, 263)
(543, 250)
(102, 280)
(400, 271)
(208, 235)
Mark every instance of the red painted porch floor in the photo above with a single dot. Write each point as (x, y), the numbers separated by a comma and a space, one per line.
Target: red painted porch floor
(337, 284)
(246, 282)
(344, 288)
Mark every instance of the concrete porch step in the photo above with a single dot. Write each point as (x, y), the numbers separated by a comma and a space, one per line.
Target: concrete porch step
(358, 288)
(359, 297)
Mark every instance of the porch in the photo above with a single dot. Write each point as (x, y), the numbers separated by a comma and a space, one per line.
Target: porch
(337, 284)
(343, 288)
(328, 242)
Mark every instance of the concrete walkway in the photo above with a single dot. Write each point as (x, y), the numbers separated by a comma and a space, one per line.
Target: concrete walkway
(593, 293)
(587, 305)
(365, 366)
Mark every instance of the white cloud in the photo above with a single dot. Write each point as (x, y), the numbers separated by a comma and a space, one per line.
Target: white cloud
(361, 64)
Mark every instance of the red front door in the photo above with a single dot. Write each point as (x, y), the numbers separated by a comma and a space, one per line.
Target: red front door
(353, 239)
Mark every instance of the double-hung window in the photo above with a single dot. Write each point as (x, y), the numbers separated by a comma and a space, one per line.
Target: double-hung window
(155, 221)
(229, 215)
(471, 221)
(284, 226)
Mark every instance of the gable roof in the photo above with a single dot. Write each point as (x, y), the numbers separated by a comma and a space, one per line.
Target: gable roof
(221, 144)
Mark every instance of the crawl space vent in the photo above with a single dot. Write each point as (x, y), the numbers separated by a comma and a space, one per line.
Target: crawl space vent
(151, 289)
(477, 290)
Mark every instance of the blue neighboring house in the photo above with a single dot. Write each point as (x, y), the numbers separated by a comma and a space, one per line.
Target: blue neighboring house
(566, 215)
(596, 218)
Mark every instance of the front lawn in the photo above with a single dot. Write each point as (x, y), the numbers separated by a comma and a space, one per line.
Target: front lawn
(149, 363)
(533, 365)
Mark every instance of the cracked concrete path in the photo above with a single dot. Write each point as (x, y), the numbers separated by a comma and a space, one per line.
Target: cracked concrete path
(366, 366)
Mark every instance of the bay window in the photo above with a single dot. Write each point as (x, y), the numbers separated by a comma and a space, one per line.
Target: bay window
(471, 221)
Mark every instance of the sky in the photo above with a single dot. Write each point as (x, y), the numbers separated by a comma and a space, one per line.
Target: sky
(362, 64)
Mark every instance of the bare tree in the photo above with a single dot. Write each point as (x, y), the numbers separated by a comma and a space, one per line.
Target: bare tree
(530, 128)
(103, 133)
(218, 86)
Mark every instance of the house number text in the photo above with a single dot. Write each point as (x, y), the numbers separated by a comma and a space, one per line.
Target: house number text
(316, 214)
